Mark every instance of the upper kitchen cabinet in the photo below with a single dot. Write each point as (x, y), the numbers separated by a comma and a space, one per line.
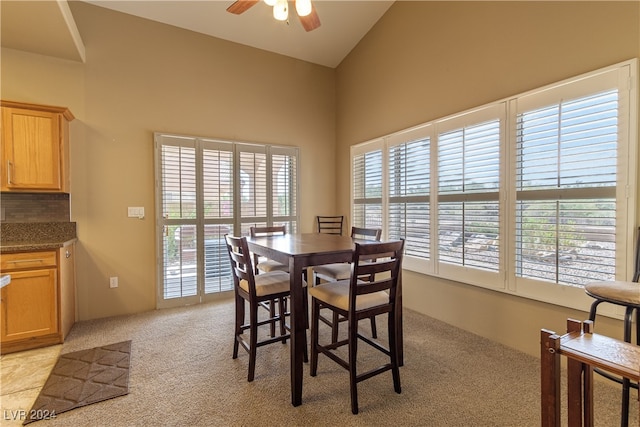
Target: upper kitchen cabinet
(35, 148)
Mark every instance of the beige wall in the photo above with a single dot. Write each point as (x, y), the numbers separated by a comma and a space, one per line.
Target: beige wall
(426, 60)
(142, 77)
(423, 60)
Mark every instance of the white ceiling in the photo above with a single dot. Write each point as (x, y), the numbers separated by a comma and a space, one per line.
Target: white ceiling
(43, 26)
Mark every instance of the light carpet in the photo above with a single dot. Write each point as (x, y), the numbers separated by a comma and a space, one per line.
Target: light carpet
(183, 375)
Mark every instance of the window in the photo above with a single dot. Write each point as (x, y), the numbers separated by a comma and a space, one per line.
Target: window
(532, 195)
(566, 190)
(409, 188)
(206, 189)
(366, 171)
(469, 210)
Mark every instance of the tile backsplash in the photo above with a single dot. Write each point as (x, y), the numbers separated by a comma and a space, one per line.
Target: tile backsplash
(35, 207)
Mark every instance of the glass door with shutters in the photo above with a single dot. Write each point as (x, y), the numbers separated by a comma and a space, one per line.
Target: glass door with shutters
(205, 189)
(194, 194)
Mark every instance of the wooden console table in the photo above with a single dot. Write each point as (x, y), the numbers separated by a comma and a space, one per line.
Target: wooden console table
(585, 351)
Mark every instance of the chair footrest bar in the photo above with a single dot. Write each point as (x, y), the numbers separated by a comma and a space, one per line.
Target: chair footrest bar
(325, 321)
(335, 345)
(334, 357)
(272, 340)
(366, 375)
(375, 345)
(261, 323)
(245, 343)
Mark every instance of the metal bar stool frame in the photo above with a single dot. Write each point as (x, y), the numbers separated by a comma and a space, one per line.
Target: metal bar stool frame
(630, 308)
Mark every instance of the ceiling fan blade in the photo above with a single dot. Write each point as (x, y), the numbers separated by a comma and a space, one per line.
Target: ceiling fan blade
(241, 6)
(311, 21)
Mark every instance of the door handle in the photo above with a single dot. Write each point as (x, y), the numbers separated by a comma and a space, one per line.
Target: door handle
(9, 167)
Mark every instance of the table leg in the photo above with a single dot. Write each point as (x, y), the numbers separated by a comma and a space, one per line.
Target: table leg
(298, 330)
(550, 378)
(399, 336)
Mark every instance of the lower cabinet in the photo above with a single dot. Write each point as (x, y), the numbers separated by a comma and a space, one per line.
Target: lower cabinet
(29, 306)
(38, 306)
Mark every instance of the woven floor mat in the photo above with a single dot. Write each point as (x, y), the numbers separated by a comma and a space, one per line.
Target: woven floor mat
(82, 378)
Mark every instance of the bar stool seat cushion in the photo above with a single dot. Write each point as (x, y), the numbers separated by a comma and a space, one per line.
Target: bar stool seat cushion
(337, 295)
(271, 283)
(333, 272)
(271, 265)
(622, 293)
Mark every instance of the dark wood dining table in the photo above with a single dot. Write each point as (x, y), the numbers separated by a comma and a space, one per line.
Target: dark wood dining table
(300, 251)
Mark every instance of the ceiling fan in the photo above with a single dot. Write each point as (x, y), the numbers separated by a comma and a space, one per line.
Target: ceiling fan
(304, 8)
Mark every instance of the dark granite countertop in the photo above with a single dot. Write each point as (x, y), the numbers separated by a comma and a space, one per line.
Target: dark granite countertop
(36, 236)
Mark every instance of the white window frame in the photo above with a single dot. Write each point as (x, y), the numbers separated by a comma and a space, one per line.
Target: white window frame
(359, 198)
(625, 76)
(420, 135)
(475, 276)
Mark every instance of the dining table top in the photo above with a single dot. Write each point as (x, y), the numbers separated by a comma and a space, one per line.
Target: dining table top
(308, 243)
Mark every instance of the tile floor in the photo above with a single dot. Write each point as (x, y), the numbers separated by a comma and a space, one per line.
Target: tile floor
(22, 375)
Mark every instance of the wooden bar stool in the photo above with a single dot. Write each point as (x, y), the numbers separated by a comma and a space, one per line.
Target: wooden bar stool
(342, 271)
(254, 289)
(356, 300)
(627, 295)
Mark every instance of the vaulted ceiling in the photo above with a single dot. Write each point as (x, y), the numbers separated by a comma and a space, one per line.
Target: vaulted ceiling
(48, 27)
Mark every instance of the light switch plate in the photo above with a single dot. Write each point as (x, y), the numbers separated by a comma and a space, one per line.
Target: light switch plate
(136, 212)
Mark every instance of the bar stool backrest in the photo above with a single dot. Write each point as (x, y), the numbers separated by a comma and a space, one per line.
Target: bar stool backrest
(330, 224)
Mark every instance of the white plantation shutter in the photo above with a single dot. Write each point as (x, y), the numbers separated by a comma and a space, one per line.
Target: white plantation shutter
(469, 190)
(367, 189)
(217, 213)
(566, 189)
(218, 181)
(178, 212)
(179, 182)
(408, 197)
(269, 186)
(253, 182)
(284, 187)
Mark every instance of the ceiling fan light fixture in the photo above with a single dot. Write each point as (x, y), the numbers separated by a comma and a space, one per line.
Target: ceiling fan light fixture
(303, 7)
(270, 2)
(309, 20)
(281, 10)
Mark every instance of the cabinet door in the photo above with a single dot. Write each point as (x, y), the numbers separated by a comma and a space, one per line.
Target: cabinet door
(32, 150)
(29, 305)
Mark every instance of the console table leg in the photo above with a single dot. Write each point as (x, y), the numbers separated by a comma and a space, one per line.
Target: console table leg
(550, 378)
(574, 392)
